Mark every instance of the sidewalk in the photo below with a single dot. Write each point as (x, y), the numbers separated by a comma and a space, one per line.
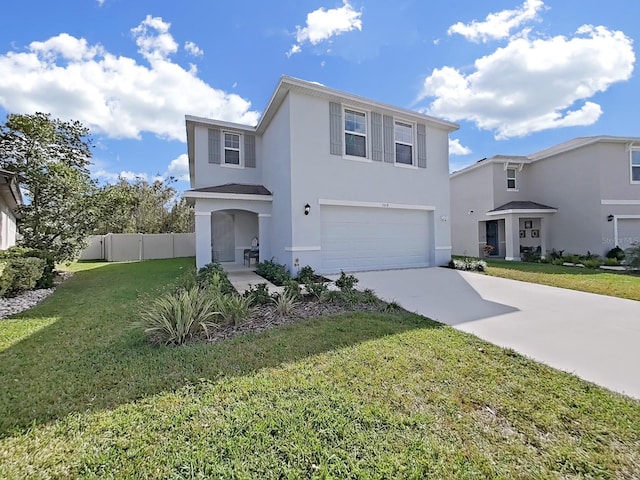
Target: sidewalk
(243, 277)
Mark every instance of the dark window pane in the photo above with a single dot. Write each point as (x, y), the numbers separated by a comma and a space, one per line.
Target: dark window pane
(635, 174)
(511, 183)
(355, 145)
(232, 157)
(404, 154)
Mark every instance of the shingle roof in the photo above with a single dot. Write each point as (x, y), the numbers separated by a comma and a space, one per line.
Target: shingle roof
(238, 188)
(524, 205)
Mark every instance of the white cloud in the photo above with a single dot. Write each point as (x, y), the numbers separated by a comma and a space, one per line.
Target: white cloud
(193, 49)
(498, 25)
(323, 24)
(531, 85)
(456, 148)
(115, 176)
(179, 167)
(101, 2)
(115, 95)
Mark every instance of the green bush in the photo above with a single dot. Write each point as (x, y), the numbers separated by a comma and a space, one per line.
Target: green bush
(274, 272)
(234, 309)
(291, 287)
(591, 263)
(213, 272)
(25, 273)
(259, 294)
(557, 261)
(611, 262)
(346, 283)
(316, 289)
(632, 256)
(176, 317)
(306, 274)
(6, 277)
(284, 303)
(617, 253)
(46, 279)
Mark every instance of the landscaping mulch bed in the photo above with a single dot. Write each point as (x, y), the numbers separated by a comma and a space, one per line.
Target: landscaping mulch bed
(265, 317)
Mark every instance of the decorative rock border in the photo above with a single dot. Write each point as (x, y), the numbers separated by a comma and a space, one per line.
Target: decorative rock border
(26, 300)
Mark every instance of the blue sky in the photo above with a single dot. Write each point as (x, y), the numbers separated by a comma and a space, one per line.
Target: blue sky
(518, 76)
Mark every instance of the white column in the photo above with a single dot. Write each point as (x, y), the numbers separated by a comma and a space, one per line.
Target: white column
(203, 238)
(264, 235)
(512, 237)
(544, 235)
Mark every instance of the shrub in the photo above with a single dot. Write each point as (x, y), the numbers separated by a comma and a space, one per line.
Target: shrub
(556, 255)
(632, 256)
(591, 263)
(176, 317)
(259, 294)
(291, 287)
(185, 281)
(284, 303)
(306, 274)
(469, 264)
(213, 272)
(316, 289)
(25, 273)
(46, 279)
(557, 261)
(617, 253)
(572, 258)
(611, 262)
(6, 277)
(346, 283)
(234, 309)
(368, 296)
(274, 272)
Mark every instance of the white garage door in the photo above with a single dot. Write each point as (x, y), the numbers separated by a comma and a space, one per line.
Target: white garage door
(628, 231)
(359, 238)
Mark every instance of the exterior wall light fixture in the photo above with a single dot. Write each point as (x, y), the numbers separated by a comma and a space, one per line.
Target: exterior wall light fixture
(610, 218)
(307, 209)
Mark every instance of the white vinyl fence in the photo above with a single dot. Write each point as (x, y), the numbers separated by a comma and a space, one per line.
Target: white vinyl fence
(123, 247)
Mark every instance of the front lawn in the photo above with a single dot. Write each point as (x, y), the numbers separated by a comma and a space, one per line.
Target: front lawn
(361, 395)
(618, 284)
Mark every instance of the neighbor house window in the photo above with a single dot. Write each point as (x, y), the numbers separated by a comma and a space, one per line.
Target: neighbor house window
(635, 166)
(404, 143)
(511, 179)
(355, 133)
(231, 149)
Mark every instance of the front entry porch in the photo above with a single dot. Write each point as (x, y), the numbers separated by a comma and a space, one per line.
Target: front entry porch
(516, 230)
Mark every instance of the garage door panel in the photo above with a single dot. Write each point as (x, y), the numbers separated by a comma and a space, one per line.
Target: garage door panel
(355, 238)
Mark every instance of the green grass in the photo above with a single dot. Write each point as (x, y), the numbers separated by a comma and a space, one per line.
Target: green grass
(394, 395)
(622, 284)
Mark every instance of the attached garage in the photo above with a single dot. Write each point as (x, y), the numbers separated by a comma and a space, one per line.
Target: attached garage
(369, 238)
(627, 230)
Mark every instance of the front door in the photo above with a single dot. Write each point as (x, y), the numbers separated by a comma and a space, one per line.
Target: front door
(492, 237)
(223, 237)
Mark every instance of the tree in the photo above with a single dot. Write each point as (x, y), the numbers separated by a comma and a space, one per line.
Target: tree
(143, 207)
(50, 158)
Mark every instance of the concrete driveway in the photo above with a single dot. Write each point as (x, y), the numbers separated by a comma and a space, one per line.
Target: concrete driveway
(593, 336)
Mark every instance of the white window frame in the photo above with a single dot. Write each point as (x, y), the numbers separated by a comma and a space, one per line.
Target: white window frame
(515, 179)
(367, 116)
(223, 161)
(413, 143)
(631, 164)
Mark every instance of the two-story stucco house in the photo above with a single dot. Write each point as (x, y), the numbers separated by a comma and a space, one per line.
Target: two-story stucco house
(327, 179)
(579, 196)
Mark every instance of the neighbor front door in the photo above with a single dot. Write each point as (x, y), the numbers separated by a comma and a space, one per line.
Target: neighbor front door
(492, 237)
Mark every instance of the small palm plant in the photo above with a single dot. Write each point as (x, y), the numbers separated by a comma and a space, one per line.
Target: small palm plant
(234, 309)
(285, 302)
(176, 317)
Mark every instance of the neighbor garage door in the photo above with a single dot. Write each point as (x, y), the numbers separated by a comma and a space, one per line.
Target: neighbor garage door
(628, 231)
(360, 238)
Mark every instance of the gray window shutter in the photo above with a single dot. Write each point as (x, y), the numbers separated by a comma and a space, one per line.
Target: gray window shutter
(335, 128)
(422, 146)
(250, 151)
(389, 141)
(377, 147)
(214, 146)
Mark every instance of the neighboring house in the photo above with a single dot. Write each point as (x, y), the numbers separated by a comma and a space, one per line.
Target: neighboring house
(579, 196)
(326, 179)
(10, 200)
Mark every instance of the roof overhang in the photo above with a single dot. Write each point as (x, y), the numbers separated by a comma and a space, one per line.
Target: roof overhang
(10, 191)
(523, 211)
(227, 196)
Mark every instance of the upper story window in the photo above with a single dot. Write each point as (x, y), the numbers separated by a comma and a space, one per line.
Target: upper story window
(511, 179)
(231, 148)
(635, 165)
(404, 143)
(355, 133)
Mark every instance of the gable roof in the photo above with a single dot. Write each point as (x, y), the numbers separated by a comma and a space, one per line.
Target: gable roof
(9, 190)
(567, 146)
(522, 205)
(288, 84)
(237, 188)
